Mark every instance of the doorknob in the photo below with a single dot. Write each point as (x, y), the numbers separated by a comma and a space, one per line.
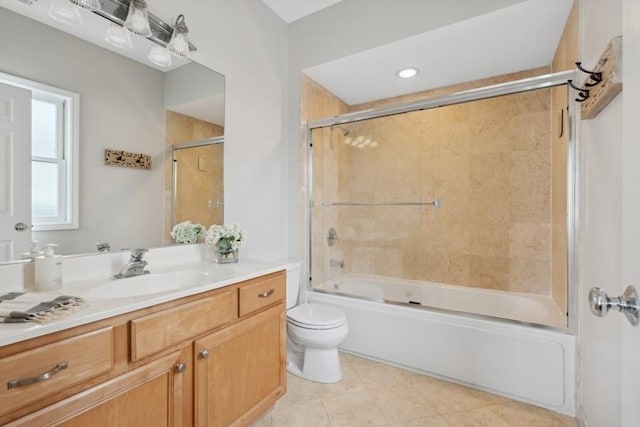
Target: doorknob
(627, 303)
(21, 226)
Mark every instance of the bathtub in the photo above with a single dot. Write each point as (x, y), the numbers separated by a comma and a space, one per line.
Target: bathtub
(523, 362)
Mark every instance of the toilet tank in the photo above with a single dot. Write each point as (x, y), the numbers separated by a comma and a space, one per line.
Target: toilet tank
(293, 284)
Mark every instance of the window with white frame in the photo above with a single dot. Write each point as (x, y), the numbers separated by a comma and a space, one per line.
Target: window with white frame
(54, 154)
(52, 160)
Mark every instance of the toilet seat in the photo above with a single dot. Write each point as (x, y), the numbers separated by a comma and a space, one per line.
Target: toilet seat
(316, 316)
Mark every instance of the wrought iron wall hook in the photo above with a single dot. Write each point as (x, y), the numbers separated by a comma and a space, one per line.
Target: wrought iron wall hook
(583, 94)
(593, 75)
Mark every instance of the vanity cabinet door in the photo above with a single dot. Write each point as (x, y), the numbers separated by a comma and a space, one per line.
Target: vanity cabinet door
(240, 371)
(151, 395)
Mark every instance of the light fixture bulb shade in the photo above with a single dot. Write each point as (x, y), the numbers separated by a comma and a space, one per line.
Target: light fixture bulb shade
(138, 18)
(118, 37)
(93, 5)
(160, 56)
(64, 11)
(179, 43)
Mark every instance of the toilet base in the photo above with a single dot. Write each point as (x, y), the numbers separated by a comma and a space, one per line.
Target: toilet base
(315, 364)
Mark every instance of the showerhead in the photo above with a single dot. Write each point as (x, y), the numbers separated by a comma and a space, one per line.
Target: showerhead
(345, 131)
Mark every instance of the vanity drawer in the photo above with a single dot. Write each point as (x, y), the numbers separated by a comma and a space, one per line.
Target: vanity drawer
(34, 374)
(156, 332)
(260, 293)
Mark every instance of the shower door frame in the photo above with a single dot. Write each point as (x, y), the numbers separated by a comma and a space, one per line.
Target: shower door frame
(174, 170)
(492, 91)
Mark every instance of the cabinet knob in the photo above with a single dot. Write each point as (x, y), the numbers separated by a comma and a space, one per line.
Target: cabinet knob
(181, 367)
(204, 354)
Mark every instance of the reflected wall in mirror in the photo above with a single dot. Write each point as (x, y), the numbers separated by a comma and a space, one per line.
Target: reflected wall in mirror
(124, 104)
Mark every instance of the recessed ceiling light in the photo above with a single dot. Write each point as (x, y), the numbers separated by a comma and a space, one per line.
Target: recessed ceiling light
(407, 73)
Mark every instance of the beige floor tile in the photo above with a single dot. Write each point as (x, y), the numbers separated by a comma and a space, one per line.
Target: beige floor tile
(296, 411)
(432, 421)
(447, 397)
(353, 410)
(402, 403)
(350, 383)
(480, 417)
(518, 414)
(373, 393)
(375, 375)
(511, 414)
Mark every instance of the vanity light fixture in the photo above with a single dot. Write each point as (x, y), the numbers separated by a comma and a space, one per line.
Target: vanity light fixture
(92, 5)
(407, 73)
(138, 18)
(65, 11)
(118, 37)
(160, 56)
(179, 43)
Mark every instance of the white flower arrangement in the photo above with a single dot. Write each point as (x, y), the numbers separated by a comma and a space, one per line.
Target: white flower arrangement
(188, 232)
(226, 238)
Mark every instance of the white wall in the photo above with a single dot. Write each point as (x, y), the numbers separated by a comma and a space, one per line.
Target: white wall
(601, 142)
(121, 108)
(247, 42)
(198, 89)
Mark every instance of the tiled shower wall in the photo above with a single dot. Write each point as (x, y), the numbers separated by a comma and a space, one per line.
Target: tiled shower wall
(489, 163)
(181, 128)
(317, 103)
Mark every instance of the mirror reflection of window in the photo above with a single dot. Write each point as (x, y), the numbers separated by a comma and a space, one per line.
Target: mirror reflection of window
(51, 167)
(47, 163)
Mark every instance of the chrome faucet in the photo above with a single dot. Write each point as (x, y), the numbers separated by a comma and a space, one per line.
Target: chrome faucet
(135, 266)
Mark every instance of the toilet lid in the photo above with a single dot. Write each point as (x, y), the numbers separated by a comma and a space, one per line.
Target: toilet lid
(316, 316)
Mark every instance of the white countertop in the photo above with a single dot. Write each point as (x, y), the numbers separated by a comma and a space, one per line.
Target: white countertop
(218, 275)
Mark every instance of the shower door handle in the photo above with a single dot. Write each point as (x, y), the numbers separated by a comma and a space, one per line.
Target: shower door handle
(600, 303)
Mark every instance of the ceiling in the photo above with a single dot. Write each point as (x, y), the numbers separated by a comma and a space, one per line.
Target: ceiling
(292, 10)
(519, 37)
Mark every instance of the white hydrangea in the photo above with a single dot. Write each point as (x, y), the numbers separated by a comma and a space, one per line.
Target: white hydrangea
(227, 238)
(188, 232)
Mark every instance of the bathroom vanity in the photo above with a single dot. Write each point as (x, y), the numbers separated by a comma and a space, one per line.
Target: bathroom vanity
(215, 357)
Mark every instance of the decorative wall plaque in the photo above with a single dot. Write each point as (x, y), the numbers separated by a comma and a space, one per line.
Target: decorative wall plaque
(610, 67)
(126, 159)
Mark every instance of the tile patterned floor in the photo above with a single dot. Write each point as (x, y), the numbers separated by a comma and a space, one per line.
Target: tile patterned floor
(375, 394)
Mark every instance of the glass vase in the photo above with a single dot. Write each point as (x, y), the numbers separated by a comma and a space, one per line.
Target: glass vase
(224, 257)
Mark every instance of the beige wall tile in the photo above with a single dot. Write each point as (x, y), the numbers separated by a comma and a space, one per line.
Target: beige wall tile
(489, 272)
(530, 186)
(530, 241)
(529, 276)
(489, 238)
(179, 129)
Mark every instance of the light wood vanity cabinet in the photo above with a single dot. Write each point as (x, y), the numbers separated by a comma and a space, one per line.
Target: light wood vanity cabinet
(213, 359)
(240, 370)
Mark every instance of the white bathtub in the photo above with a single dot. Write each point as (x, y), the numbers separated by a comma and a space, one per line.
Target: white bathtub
(527, 308)
(526, 363)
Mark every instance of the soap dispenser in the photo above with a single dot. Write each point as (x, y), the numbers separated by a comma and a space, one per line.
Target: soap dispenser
(48, 270)
(34, 252)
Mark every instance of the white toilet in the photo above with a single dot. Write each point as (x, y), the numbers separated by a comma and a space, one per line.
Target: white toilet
(314, 332)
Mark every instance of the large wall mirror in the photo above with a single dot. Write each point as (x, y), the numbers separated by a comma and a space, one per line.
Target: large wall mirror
(121, 102)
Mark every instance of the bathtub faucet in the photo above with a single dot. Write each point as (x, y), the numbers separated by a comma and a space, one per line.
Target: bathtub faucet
(336, 263)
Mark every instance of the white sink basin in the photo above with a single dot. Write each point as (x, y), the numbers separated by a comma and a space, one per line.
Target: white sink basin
(147, 284)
